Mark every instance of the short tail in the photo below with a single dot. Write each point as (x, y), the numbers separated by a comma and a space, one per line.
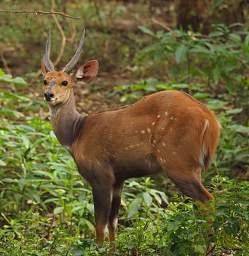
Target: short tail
(209, 141)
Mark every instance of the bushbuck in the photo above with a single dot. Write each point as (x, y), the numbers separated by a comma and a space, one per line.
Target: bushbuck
(167, 132)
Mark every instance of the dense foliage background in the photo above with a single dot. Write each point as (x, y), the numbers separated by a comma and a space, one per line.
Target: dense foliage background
(143, 47)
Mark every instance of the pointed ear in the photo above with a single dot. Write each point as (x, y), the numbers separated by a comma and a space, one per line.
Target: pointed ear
(43, 69)
(87, 71)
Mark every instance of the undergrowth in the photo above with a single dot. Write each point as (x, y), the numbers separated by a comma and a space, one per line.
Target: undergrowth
(46, 207)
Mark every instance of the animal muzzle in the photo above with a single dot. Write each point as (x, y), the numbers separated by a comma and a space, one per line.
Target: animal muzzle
(48, 96)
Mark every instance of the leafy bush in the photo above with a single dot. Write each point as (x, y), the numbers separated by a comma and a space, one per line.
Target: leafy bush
(182, 229)
(219, 61)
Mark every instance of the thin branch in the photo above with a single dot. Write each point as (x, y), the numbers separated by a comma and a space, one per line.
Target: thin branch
(73, 33)
(63, 42)
(161, 24)
(41, 13)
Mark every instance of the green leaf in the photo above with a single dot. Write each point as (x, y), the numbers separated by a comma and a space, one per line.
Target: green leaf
(19, 81)
(180, 86)
(216, 104)
(2, 163)
(201, 95)
(240, 128)
(10, 112)
(146, 30)
(234, 111)
(1, 72)
(134, 206)
(147, 198)
(58, 210)
(26, 142)
(181, 53)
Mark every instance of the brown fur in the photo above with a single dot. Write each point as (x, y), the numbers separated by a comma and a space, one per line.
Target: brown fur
(167, 132)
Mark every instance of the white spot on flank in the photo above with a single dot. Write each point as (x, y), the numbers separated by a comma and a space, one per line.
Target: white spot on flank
(98, 163)
(143, 131)
(158, 116)
(171, 118)
(158, 150)
(164, 144)
(148, 130)
(153, 123)
(154, 141)
(166, 113)
(174, 153)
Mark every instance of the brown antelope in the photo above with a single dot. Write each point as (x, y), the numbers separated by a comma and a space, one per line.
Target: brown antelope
(167, 132)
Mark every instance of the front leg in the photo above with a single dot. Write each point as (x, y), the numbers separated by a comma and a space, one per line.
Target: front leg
(102, 196)
(113, 218)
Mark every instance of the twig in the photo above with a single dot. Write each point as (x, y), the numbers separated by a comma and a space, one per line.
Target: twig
(210, 250)
(73, 34)
(63, 42)
(161, 24)
(41, 13)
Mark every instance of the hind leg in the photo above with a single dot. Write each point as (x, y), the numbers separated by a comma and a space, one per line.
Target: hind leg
(181, 164)
(189, 182)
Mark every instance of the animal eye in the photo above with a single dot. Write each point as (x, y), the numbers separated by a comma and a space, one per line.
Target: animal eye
(45, 82)
(64, 83)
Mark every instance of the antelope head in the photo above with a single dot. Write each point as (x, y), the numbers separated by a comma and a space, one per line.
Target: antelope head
(58, 85)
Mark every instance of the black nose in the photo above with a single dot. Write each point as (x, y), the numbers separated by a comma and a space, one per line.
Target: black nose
(48, 96)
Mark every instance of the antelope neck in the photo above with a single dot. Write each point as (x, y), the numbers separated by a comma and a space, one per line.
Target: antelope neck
(67, 121)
